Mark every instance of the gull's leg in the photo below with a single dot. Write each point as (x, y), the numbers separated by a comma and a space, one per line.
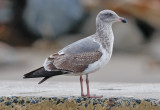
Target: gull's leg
(88, 91)
(81, 82)
(87, 83)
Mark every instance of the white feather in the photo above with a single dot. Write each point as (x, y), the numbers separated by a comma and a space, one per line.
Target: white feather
(46, 63)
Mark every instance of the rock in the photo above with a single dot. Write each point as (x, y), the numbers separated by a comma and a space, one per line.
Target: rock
(91, 4)
(12, 29)
(6, 12)
(52, 18)
(89, 26)
(153, 51)
(145, 10)
(154, 47)
(8, 54)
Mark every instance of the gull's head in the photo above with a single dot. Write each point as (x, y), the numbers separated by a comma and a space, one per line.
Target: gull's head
(109, 16)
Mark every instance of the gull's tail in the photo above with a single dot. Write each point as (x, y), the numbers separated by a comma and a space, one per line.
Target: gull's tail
(41, 72)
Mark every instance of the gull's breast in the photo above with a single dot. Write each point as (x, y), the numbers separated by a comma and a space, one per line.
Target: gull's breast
(104, 59)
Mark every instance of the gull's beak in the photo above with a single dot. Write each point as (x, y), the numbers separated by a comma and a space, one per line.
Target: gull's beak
(123, 20)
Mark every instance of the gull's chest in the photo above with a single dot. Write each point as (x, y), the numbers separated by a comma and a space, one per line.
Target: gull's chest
(98, 64)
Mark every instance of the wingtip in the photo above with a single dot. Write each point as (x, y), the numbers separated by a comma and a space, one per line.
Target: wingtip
(44, 79)
(39, 82)
(24, 76)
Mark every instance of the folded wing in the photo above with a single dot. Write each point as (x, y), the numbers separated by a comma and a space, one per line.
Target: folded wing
(75, 57)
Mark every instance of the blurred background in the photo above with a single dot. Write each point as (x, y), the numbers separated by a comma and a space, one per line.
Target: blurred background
(31, 30)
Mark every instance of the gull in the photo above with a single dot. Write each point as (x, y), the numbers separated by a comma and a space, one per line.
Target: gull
(83, 56)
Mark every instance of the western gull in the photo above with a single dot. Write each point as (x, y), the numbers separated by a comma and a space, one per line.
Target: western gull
(83, 56)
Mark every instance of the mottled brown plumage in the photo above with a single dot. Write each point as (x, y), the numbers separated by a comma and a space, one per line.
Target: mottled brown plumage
(74, 63)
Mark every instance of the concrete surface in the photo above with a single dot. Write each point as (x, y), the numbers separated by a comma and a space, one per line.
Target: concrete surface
(28, 95)
(67, 89)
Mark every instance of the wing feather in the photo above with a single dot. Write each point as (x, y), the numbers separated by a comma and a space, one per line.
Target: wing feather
(76, 57)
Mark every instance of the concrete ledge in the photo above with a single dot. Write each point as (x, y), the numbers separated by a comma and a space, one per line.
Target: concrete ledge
(77, 103)
(28, 95)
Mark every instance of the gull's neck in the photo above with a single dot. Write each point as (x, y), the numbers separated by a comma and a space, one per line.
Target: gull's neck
(104, 35)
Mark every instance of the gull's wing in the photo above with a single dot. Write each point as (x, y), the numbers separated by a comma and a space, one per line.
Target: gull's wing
(75, 57)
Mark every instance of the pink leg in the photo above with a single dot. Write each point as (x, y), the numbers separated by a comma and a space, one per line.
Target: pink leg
(88, 91)
(81, 82)
(87, 83)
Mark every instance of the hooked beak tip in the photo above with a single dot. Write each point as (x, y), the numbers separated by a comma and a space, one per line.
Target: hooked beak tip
(123, 20)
